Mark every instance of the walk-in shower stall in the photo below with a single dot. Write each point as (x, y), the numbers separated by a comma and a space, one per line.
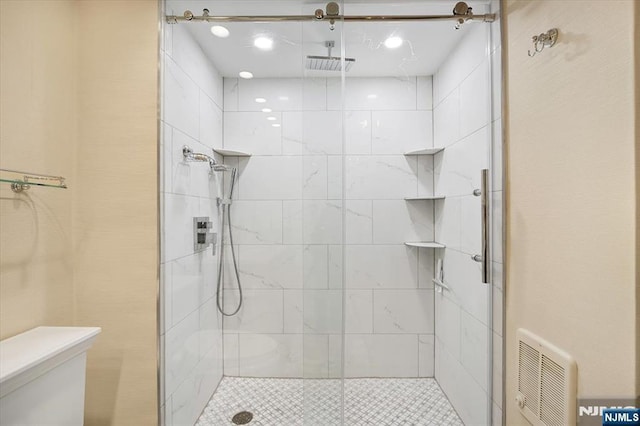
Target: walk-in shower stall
(331, 213)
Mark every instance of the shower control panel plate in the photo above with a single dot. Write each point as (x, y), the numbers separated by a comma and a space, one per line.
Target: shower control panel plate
(203, 235)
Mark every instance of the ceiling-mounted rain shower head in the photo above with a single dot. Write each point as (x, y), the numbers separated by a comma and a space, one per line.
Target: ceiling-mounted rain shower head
(329, 63)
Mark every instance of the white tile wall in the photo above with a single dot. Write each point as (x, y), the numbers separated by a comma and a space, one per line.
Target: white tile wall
(252, 132)
(271, 355)
(192, 328)
(396, 132)
(464, 124)
(270, 266)
(382, 355)
(381, 177)
(288, 224)
(403, 311)
(381, 266)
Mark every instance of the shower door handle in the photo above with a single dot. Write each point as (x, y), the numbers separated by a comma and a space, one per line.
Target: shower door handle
(484, 200)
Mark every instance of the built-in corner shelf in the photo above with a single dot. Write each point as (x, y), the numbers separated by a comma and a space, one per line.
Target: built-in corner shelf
(429, 197)
(231, 153)
(426, 151)
(425, 244)
(21, 181)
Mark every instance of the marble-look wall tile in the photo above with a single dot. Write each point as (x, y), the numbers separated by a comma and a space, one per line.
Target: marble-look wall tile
(192, 344)
(474, 350)
(181, 99)
(446, 120)
(292, 222)
(179, 211)
(359, 311)
(282, 94)
(270, 178)
(373, 94)
(271, 266)
(395, 222)
(358, 127)
(315, 356)
(397, 132)
(380, 177)
(257, 222)
(475, 105)
(271, 355)
(190, 57)
(293, 311)
(252, 132)
(470, 53)
(181, 351)
(359, 226)
(322, 222)
(288, 224)
(426, 353)
(210, 123)
(322, 311)
(230, 94)
(403, 311)
(381, 355)
(313, 132)
(381, 266)
(314, 177)
(261, 311)
(316, 266)
(425, 93)
(231, 354)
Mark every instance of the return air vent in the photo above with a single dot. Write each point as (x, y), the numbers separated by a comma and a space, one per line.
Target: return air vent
(546, 382)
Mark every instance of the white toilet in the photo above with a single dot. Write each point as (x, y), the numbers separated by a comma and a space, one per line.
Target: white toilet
(42, 376)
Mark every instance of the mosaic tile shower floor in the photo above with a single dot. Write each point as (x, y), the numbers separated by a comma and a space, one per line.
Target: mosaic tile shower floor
(297, 402)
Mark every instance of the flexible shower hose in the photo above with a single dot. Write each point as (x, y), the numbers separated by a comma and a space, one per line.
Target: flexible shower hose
(226, 211)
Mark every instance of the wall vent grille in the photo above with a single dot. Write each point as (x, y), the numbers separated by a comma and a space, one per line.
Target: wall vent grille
(547, 382)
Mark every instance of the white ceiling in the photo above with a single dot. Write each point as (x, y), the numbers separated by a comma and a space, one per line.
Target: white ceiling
(426, 44)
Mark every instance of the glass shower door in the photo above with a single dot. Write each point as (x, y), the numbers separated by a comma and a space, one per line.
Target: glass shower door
(418, 132)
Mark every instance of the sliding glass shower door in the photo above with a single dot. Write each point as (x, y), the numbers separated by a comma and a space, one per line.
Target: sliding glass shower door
(321, 216)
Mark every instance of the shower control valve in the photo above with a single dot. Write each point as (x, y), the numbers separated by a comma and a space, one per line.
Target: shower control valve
(203, 235)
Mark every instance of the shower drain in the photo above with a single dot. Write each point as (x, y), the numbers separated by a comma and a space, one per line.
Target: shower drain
(242, 418)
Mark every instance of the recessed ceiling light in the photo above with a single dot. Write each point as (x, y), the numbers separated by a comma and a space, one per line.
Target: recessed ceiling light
(372, 96)
(393, 42)
(271, 118)
(283, 98)
(220, 31)
(264, 43)
(266, 110)
(276, 125)
(245, 74)
(261, 100)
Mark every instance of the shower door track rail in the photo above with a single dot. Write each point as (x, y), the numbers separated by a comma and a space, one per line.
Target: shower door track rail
(461, 14)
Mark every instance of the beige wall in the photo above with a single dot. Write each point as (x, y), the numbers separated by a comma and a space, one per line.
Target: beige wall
(79, 99)
(115, 215)
(572, 255)
(37, 134)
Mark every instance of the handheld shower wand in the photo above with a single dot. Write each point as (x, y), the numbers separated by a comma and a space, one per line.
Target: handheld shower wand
(189, 155)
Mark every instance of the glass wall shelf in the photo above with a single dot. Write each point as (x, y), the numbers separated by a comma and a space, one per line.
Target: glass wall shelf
(21, 181)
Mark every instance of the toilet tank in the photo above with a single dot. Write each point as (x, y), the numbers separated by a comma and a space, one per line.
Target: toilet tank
(42, 376)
